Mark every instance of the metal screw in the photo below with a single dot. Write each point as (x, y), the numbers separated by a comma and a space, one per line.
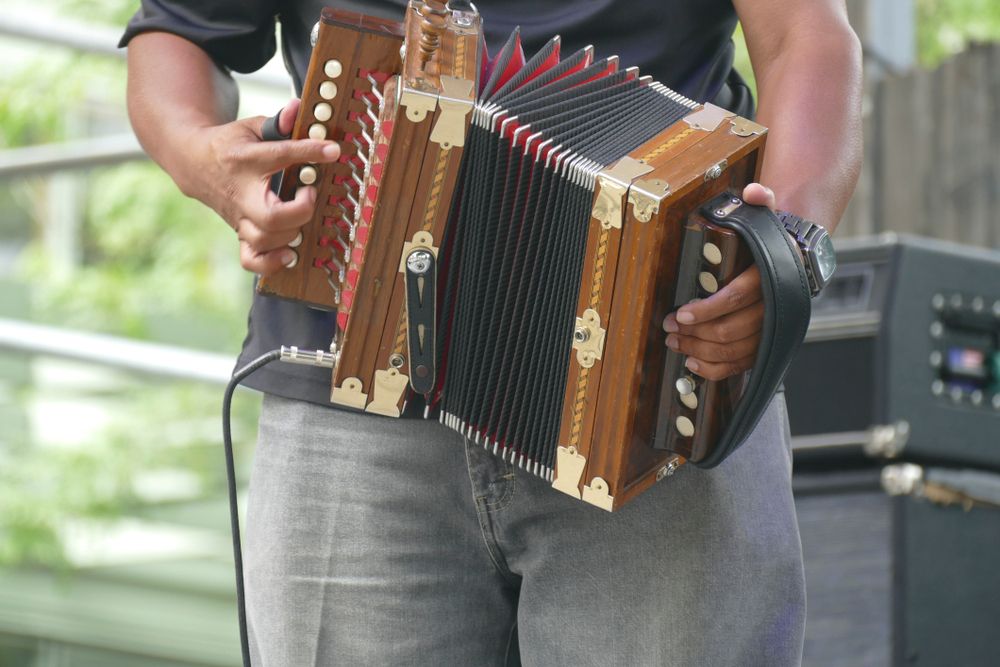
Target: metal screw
(581, 335)
(463, 21)
(419, 261)
(397, 360)
(666, 471)
(736, 200)
(719, 212)
(713, 173)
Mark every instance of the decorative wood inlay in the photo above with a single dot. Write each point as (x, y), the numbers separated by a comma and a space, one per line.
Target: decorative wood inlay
(664, 147)
(579, 406)
(600, 259)
(434, 194)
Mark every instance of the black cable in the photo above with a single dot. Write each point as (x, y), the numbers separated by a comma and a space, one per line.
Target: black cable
(234, 516)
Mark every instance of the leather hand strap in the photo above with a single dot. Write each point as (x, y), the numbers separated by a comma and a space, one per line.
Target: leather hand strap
(787, 307)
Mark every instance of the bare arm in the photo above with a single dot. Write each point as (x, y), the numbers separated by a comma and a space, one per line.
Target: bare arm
(807, 62)
(183, 108)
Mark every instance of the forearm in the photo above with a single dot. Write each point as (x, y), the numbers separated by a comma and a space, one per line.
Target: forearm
(175, 90)
(810, 99)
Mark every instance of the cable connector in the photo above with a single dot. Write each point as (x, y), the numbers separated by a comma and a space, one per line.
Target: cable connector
(308, 357)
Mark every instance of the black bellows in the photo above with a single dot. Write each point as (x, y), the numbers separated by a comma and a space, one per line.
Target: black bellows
(516, 238)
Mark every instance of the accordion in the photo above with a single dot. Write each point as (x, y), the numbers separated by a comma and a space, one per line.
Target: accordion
(505, 237)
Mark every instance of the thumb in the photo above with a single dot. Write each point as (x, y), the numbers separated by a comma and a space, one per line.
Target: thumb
(759, 195)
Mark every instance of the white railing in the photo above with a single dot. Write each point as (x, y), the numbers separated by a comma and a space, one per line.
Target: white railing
(148, 358)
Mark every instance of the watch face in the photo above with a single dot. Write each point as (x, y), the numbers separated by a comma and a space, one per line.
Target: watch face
(826, 260)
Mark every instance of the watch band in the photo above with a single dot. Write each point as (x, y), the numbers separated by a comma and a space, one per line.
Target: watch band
(797, 225)
(804, 232)
(787, 307)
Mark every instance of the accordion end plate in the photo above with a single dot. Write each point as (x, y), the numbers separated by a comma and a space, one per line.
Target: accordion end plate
(597, 494)
(569, 469)
(349, 394)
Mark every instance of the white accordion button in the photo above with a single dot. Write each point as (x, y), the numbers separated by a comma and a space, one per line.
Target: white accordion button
(307, 174)
(297, 242)
(685, 427)
(333, 68)
(690, 401)
(323, 111)
(708, 282)
(328, 90)
(317, 131)
(712, 253)
(295, 260)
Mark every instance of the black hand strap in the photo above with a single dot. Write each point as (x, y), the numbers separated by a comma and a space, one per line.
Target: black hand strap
(269, 130)
(787, 308)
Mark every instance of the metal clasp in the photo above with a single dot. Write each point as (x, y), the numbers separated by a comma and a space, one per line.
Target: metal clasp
(420, 97)
(614, 183)
(455, 103)
(645, 197)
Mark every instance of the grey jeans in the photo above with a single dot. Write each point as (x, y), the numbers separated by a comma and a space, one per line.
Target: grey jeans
(373, 541)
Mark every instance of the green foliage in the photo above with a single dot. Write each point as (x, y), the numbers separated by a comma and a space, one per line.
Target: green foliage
(741, 61)
(156, 265)
(149, 252)
(156, 426)
(945, 27)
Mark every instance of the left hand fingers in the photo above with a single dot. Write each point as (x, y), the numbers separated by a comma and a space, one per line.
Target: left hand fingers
(726, 329)
(719, 371)
(743, 291)
(714, 352)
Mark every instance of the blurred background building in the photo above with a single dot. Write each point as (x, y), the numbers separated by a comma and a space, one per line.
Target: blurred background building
(123, 305)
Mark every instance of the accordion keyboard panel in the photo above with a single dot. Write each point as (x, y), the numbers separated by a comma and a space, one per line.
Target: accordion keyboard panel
(351, 62)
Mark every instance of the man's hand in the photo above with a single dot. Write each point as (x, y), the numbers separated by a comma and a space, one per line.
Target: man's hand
(183, 110)
(720, 334)
(234, 180)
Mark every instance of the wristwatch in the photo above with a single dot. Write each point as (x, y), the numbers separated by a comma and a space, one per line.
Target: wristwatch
(817, 249)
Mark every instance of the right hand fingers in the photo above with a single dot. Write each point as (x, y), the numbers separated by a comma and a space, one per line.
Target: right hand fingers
(269, 157)
(273, 216)
(265, 263)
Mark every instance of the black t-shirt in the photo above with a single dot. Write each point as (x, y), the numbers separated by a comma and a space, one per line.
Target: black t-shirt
(685, 44)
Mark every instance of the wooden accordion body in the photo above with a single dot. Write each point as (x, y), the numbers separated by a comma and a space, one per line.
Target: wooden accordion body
(592, 399)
